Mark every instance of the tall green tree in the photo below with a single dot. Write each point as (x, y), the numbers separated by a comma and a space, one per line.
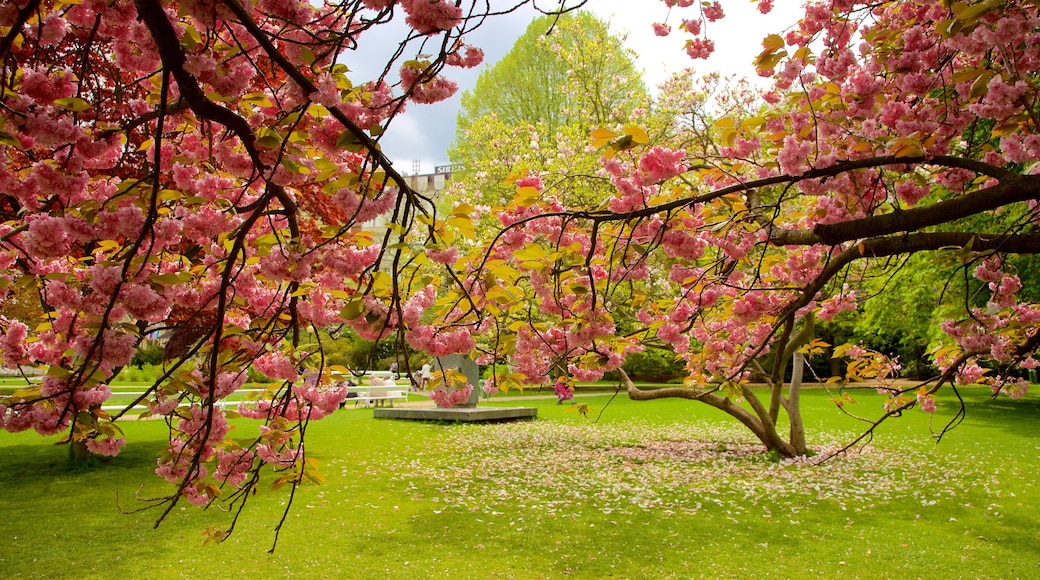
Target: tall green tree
(563, 70)
(533, 110)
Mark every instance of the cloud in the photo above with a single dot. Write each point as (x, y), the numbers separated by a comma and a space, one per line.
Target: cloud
(423, 133)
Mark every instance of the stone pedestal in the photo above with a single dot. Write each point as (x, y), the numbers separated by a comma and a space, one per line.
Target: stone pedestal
(467, 412)
(466, 366)
(461, 414)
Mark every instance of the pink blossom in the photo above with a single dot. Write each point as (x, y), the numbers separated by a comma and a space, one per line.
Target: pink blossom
(794, 157)
(1001, 99)
(970, 374)
(584, 374)
(989, 270)
(162, 408)
(440, 342)
(275, 365)
(926, 402)
(430, 16)
(447, 256)
(46, 237)
(699, 48)
(233, 465)
(447, 398)
(53, 29)
(530, 181)
(87, 398)
(713, 11)
(107, 446)
(660, 164)
(145, 303)
(12, 343)
(465, 57)
(839, 303)
(45, 86)
(426, 90)
(911, 192)
(662, 29)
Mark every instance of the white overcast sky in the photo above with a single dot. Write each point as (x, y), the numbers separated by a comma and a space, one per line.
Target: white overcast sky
(424, 132)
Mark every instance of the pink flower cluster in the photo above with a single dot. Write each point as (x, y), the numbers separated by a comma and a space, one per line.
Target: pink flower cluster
(431, 16)
(438, 341)
(425, 89)
(465, 56)
(838, 303)
(698, 48)
(107, 446)
(660, 164)
(276, 366)
(12, 342)
(451, 397)
(926, 402)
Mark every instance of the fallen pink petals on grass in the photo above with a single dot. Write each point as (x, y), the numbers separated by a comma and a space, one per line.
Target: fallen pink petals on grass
(683, 468)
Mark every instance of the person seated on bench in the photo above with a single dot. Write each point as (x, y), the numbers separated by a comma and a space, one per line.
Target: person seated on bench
(384, 395)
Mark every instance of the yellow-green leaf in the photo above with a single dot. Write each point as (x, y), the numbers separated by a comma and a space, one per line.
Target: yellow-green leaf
(773, 42)
(74, 104)
(767, 60)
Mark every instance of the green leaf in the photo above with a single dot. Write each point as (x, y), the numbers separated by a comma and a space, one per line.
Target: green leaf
(9, 139)
(353, 310)
(74, 104)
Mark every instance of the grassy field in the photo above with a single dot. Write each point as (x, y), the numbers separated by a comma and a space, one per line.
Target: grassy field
(664, 489)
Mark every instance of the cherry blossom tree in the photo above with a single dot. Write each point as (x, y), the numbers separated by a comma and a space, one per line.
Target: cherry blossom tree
(890, 130)
(205, 170)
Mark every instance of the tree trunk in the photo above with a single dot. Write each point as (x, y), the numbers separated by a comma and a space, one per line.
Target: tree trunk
(766, 432)
(794, 405)
(78, 453)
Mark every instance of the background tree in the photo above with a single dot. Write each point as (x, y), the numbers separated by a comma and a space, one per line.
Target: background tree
(563, 70)
(532, 110)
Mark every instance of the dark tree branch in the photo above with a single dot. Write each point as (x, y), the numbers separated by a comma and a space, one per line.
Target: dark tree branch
(24, 14)
(154, 17)
(1014, 189)
(309, 87)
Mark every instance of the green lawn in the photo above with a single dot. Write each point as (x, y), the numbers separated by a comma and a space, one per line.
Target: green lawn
(663, 489)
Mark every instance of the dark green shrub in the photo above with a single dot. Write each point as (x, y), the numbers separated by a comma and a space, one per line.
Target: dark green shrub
(148, 354)
(654, 365)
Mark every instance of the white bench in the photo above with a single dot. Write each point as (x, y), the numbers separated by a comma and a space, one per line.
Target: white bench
(144, 404)
(377, 394)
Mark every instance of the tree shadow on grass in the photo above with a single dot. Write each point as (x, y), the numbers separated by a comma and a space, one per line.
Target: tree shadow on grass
(1021, 417)
(26, 465)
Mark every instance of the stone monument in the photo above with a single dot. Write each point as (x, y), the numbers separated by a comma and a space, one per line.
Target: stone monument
(468, 411)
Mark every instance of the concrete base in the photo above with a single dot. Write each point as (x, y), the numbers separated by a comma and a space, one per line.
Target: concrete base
(472, 414)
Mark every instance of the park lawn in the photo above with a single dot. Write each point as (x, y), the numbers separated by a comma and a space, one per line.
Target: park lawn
(560, 496)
